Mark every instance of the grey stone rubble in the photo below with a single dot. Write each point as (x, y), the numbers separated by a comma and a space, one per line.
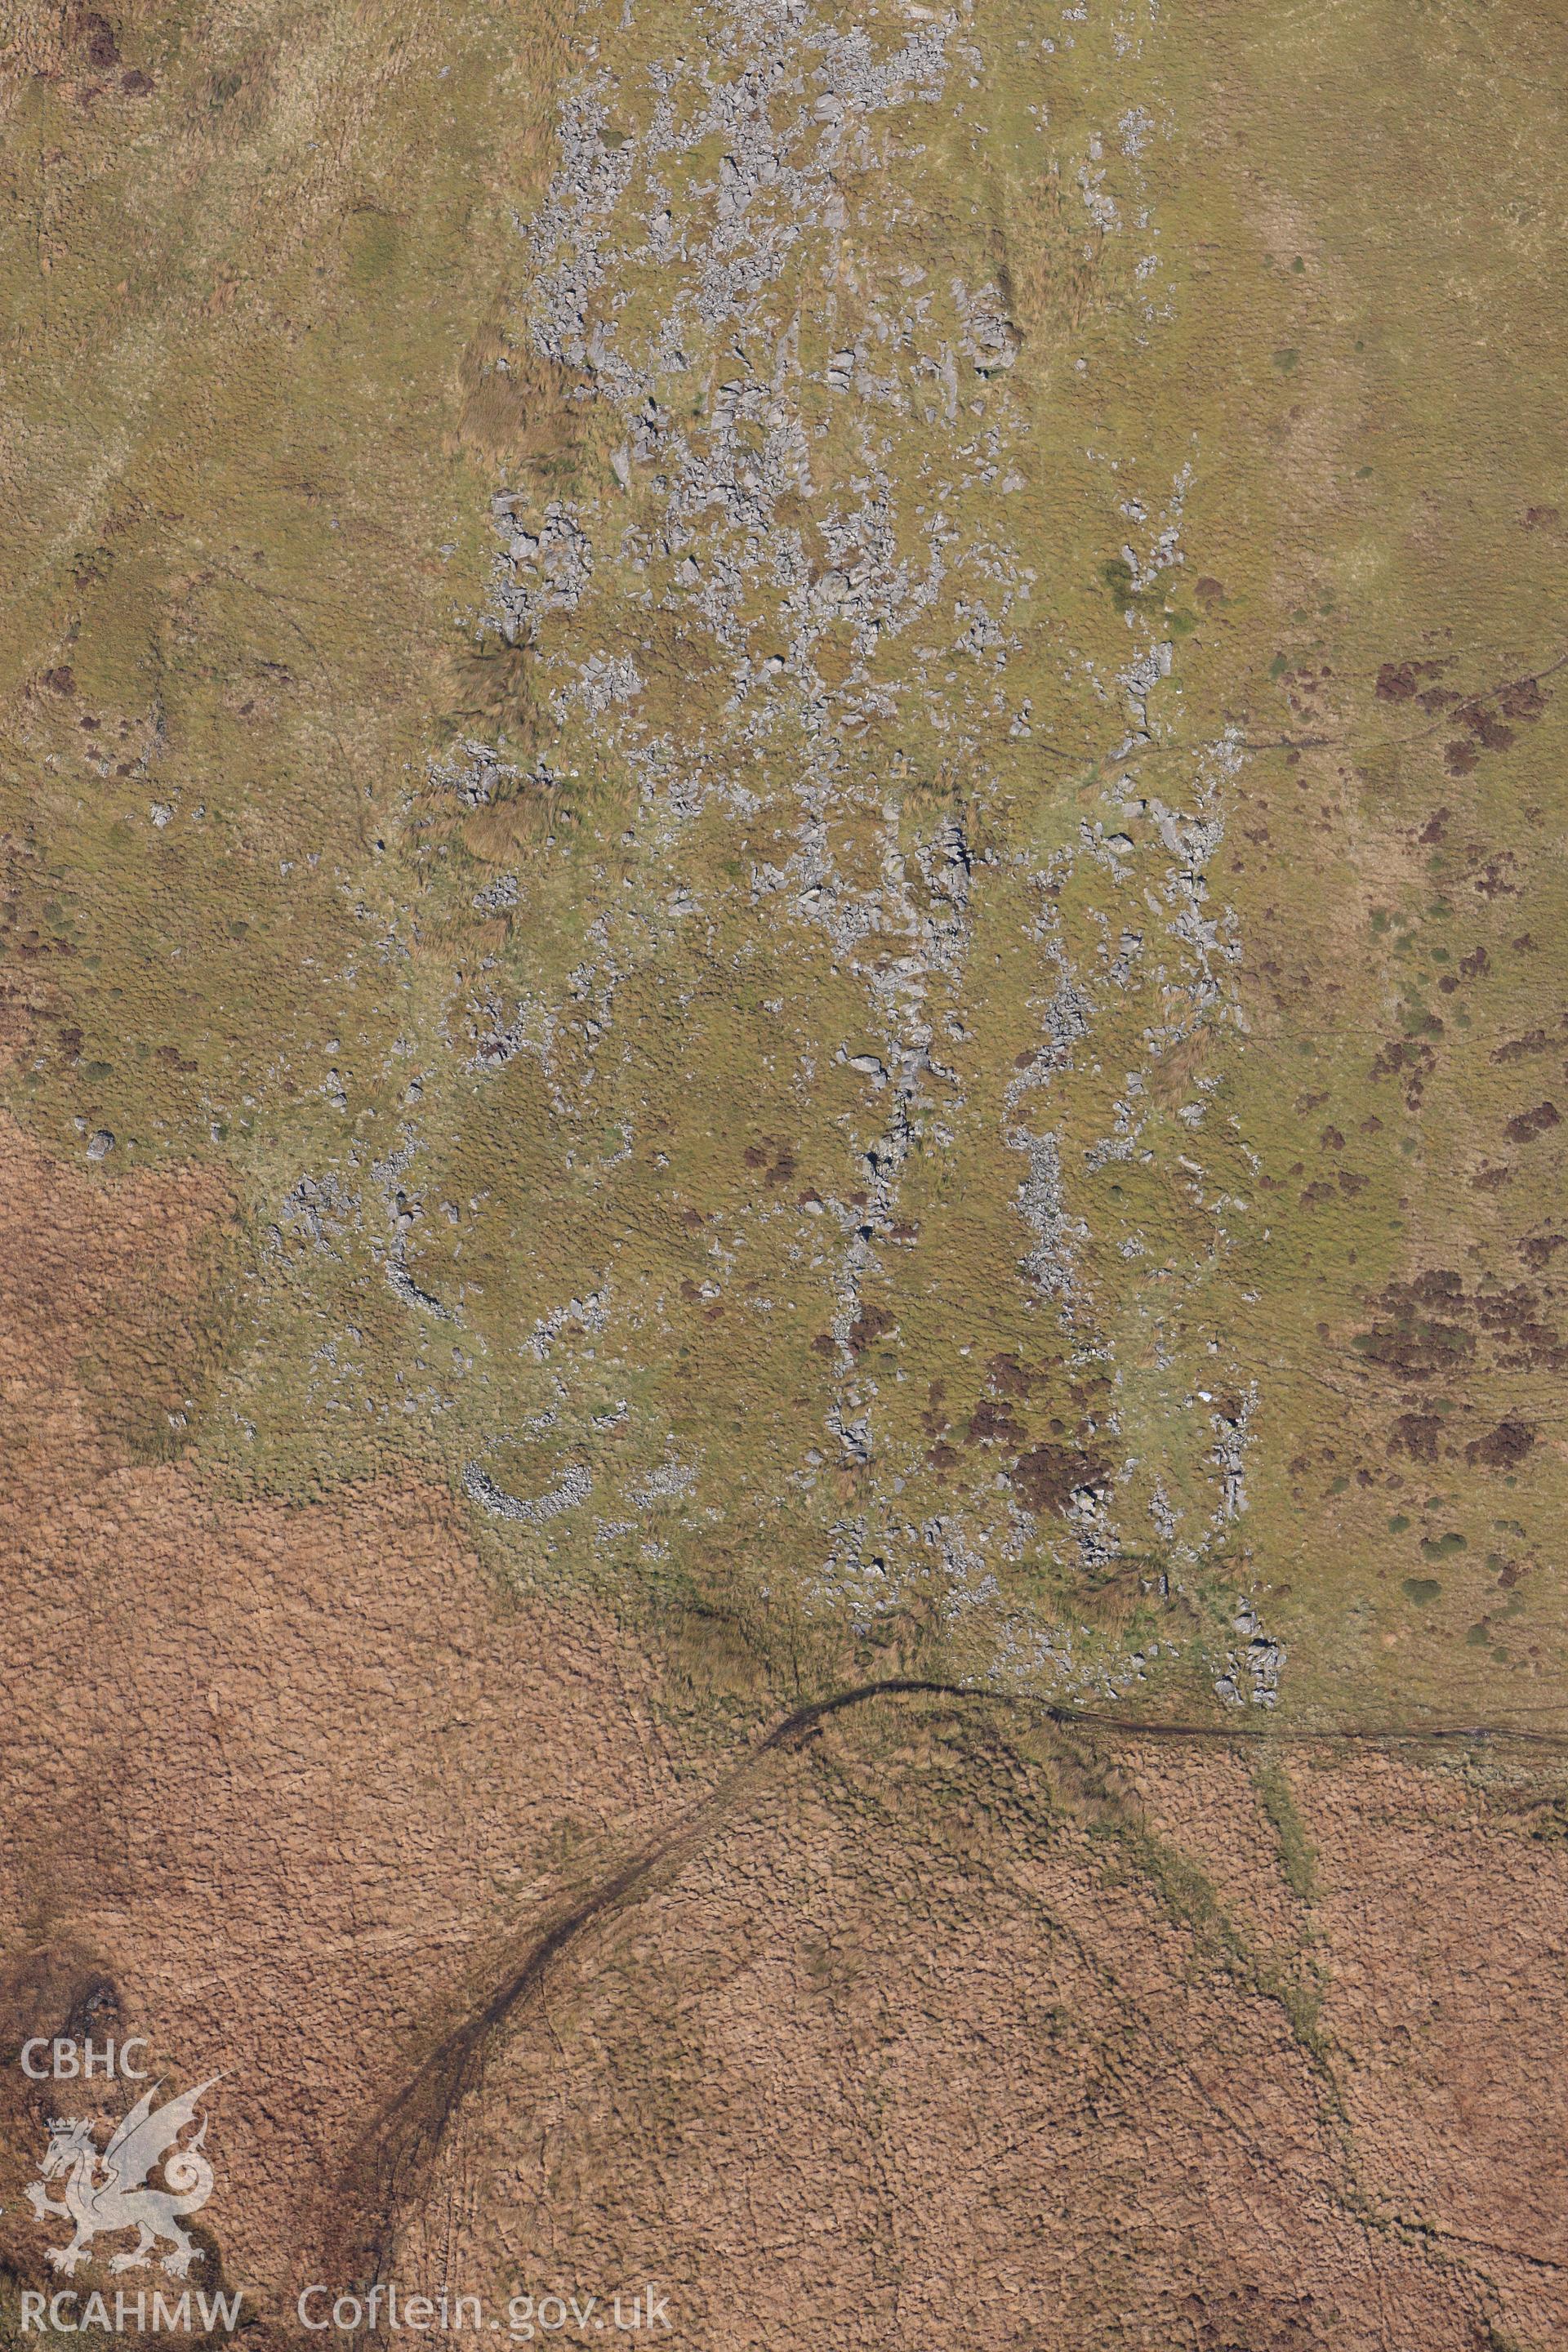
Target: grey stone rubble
(694, 525)
(574, 1486)
(474, 772)
(1251, 1672)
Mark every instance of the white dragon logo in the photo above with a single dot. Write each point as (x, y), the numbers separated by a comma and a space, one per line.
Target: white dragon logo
(109, 2191)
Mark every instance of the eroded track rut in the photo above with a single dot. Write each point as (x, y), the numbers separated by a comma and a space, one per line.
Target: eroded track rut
(392, 2159)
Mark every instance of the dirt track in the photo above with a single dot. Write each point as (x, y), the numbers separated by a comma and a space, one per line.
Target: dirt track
(392, 2163)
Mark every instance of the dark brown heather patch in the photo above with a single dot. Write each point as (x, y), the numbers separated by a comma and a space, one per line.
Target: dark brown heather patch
(1047, 1477)
(1504, 1447)
(1529, 1124)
